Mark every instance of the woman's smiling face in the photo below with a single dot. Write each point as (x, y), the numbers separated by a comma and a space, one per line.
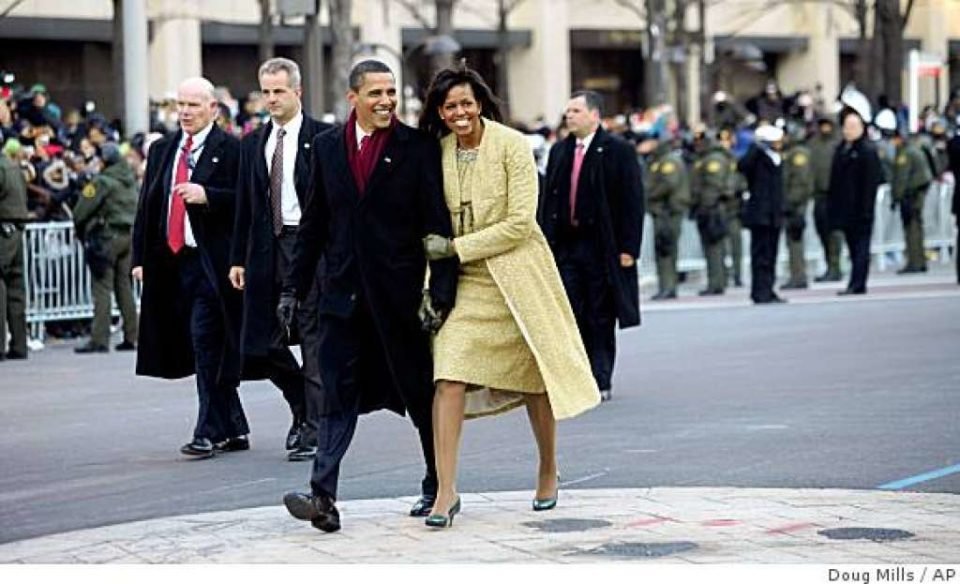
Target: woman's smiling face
(460, 110)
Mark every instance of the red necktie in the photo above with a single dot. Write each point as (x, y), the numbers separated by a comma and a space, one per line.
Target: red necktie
(178, 211)
(574, 181)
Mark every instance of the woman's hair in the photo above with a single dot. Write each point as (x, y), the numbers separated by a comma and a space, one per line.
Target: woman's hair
(441, 85)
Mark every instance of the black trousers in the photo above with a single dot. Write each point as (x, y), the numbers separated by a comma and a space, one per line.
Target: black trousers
(309, 328)
(281, 366)
(584, 273)
(764, 241)
(220, 413)
(956, 249)
(858, 241)
(354, 344)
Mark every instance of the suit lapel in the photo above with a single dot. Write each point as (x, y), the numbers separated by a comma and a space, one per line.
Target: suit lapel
(210, 157)
(261, 178)
(339, 166)
(301, 168)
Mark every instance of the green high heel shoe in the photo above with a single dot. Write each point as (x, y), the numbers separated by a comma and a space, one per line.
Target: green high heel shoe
(548, 503)
(440, 521)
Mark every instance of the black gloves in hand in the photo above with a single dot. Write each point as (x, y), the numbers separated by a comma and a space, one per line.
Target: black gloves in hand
(438, 247)
(431, 319)
(285, 310)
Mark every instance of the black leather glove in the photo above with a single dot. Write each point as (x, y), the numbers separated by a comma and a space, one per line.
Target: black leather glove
(431, 319)
(285, 309)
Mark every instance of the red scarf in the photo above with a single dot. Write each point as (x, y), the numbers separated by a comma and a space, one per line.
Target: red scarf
(363, 162)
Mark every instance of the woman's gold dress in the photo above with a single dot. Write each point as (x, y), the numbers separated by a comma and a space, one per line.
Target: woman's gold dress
(480, 343)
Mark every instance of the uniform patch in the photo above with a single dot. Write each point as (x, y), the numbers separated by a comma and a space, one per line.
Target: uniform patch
(667, 168)
(714, 166)
(89, 191)
(901, 160)
(800, 159)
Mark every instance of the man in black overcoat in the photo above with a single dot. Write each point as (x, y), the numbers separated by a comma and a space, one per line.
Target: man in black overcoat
(591, 213)
(762, 166)
(953, 151)
(376, 193)
(274, 179)
(855, 176)
(181, 247)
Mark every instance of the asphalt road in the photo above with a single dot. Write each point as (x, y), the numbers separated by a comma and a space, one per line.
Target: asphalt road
(850, 394)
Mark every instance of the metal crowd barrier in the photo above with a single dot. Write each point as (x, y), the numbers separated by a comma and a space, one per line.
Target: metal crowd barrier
(58, 281)
(56, 277)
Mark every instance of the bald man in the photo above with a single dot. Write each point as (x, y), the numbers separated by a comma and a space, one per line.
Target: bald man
(181, 247)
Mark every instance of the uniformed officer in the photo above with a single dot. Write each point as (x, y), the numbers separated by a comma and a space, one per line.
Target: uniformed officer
(738, 186)
(668, 199)
(822, 146)
(103, 218)
(13, 213)
(911, 178)
(798, 187)
(710, 195)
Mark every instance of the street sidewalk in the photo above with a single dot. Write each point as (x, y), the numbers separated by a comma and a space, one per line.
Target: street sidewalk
(672, 525)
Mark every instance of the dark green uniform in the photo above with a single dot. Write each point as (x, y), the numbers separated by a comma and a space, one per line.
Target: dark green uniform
(822, 146)
(104, 217)
(738, 186)
(13, 304)
(668, 199)
(798, 187)
(911, 177)
(710, 195)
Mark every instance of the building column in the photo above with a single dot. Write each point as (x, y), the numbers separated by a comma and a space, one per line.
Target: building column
(540, 75)
(136, 103)
(820, 63)
(936, 41)
(175, 50)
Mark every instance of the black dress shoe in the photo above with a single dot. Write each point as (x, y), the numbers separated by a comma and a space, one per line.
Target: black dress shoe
(198, 448)
(125, 346)
(14, 355)
(91, 348)
(849, 291)
(319, 510)
(293, 435)
(711, 292)
(302, 453)
(605, 395)
(234, 444)
(794, 286)
(423, 506)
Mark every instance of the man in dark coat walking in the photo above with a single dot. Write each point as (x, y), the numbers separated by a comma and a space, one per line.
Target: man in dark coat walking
(181, 248)
(376, 193)
(275, 176)
(592, 215)
(762, 166)
(855, 176)
(953, 151)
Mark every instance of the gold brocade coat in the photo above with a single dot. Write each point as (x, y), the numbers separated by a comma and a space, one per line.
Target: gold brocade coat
(507, 237)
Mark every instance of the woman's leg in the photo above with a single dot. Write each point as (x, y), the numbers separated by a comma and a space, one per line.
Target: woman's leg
(544, 428)
(448, 407)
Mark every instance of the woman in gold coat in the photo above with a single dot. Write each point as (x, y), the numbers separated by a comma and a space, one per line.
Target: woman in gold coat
(511, 339)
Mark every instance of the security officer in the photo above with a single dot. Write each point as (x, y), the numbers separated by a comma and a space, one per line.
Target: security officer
(103, 218)
(822, 146)
(13, 213)
(798, 187)
(710, 194)
(668, 199)
(734, 207)
(911, 178)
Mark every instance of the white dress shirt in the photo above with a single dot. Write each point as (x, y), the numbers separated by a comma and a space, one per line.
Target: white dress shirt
(289, 204)
(586, 142)
(199, 140)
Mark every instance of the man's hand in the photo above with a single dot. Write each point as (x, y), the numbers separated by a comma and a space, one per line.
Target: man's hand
(438, 247)
(238, 277)
(431, 319)
(626, 260)
(285, 310)
(192, 193)
(137, 273)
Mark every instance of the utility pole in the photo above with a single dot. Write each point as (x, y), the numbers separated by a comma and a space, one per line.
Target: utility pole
(136, 99)
(313, 61)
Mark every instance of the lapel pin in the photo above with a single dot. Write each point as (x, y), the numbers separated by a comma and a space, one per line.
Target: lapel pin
(306, 145)
(600, 149)
(215, 160)
(387, 160)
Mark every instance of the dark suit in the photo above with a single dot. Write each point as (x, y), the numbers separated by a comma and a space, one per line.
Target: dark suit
(372, 351)
(855, 175)
(609, 212)
(763, 216)
(266, 259)
(188, 310)
(953, 150)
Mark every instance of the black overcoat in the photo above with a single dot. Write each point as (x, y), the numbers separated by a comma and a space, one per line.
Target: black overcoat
(253, 239)
(610, 200)
(764, 208)
(855, 176)
(165, 347)
(372, 245)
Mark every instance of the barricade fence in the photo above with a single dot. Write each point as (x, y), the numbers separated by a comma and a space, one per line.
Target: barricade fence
(58, 282)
